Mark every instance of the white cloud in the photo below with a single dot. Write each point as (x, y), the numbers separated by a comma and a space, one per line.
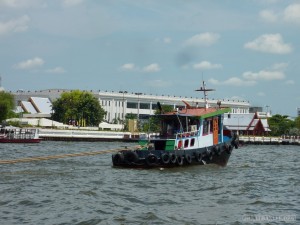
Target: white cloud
(57, 70)
(69, 3)
(264, 75)
(21, 3)
(206, 65)
(167, 40)
(14, 25)
(203, 39)
(233, 81)
(279, 66)
(251, 78)
(128, 67)
(159, 83)
(261, 94)
(154, 67)
(269, 16)
(30, 64)
(268, 1)
(292, 13)
(269, 43)
(290, 82)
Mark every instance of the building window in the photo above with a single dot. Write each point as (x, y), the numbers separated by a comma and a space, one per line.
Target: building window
(132, 105)
(144, 106)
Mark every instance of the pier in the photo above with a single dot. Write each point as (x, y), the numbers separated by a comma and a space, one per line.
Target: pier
(90, 135)
(87, 135)
(261, 140)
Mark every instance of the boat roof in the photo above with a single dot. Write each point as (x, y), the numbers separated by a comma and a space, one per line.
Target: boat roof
(199, 112)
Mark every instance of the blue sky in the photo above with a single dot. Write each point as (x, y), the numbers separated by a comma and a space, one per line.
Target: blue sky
(246, 50)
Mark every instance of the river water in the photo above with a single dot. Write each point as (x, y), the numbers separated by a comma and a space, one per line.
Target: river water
(259, 185)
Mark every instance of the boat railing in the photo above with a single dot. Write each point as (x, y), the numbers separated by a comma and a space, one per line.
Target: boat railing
(175, 135)
(20, 133)
(187, 134)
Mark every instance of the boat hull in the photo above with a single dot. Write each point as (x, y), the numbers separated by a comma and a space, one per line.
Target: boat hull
(217, 154)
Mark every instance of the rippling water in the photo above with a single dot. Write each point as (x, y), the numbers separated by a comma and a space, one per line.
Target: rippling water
(259, 185)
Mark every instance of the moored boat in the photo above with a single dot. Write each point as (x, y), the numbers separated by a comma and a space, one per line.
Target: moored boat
(19, 135)
(188, 136)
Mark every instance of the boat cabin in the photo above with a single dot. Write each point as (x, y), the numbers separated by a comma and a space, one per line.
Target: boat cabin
(189, 128)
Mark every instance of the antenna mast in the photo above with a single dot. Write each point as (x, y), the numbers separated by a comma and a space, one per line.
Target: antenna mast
(205, 90)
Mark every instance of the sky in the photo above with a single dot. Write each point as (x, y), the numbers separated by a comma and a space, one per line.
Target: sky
(247, 50)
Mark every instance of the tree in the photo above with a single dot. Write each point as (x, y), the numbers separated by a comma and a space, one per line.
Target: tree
(80, 106)
(154, 122)
(297, 122)
(6, 105)
(280, 125)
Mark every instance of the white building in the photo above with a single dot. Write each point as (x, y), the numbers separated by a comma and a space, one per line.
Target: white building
(118, 104)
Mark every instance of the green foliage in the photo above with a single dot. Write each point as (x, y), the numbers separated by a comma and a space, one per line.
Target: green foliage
(165, 109)
(80, 106)
(297, 122)
(281, 125)
(153, 124)
(129, 116)
(6, 105)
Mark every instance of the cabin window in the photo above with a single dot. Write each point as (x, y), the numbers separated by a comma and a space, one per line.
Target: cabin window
(179, 144)
(205, 127)
(210, 126)
(219, 124)
(192, 141)
(186, 143)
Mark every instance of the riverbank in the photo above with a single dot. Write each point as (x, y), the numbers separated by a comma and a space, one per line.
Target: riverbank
(95, 135)
(256, 140)
(87, 135)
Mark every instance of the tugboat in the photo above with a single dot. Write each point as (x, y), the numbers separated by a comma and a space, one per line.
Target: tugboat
(188, 136)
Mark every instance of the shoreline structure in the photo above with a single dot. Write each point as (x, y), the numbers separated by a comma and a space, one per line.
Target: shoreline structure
(94, 136)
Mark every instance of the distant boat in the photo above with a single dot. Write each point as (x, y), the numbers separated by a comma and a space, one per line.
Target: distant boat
(19, 135)
(192, 135)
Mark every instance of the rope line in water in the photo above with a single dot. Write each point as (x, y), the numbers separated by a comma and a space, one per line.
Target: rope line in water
(40, 158)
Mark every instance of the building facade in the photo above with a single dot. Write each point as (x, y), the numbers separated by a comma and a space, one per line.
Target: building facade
(118, 104)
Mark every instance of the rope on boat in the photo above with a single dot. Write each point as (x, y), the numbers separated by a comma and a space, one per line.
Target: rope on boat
(40, 158)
